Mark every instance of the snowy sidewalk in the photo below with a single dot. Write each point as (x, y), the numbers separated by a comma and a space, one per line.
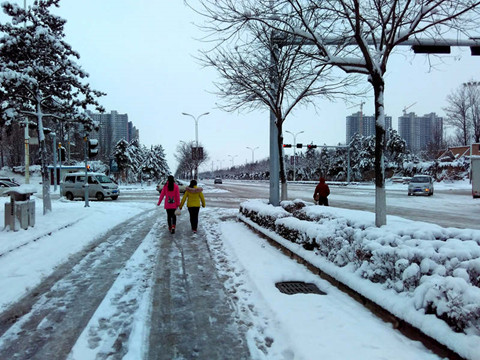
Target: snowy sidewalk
(192, 317)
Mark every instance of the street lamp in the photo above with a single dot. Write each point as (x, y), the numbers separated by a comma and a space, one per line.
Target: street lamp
(294, 149)
(232, 157)
(253, 151)
(196, 138)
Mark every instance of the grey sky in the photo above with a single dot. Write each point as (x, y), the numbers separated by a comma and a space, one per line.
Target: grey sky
(141, 54)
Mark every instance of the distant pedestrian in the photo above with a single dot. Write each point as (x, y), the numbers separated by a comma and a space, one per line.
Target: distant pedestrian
(171, 193)
(194, 197)
(321, 193)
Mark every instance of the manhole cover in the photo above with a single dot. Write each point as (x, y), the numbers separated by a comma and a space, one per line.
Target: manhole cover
(298, 287)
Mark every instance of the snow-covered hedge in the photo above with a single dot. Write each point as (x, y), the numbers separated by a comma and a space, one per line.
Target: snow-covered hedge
(263, 214)
(439, 268)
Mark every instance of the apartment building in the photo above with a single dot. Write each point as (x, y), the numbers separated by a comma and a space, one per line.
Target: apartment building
(358, 123)
(419, 131)
(112, 128)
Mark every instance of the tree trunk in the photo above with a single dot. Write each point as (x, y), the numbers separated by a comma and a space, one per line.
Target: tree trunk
(380, 195)
(47, 202)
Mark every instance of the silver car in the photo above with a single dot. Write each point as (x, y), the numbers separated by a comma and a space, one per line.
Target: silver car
(100, 186)
(182, 186)
(421, 185)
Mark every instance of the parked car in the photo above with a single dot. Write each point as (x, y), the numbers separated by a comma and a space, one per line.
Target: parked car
(217, 180)
(421, 185)
(100, 186)
(400, 179)
(6, 185)
(182, 186)
(12, 180)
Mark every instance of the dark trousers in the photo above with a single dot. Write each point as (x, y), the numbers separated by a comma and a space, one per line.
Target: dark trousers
(194, 216)
(322, 201)
(171, 217)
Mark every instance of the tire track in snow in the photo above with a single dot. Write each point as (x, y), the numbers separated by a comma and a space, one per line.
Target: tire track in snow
(122, 319)
(46, 323)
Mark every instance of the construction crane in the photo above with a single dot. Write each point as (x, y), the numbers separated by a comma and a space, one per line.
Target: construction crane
(360, 123)
(361, 107)
(407, 107)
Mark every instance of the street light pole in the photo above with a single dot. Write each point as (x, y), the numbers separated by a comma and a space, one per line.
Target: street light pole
(27, 134)
(294, 149)
(253, 151)
(232, 157)
(196, 138)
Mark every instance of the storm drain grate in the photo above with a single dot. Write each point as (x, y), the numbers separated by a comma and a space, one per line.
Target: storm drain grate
(298, 287)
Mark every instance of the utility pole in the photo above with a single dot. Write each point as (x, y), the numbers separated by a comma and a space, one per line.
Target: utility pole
(274, 151)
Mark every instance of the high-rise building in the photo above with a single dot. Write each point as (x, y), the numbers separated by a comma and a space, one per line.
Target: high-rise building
(112, 128)
(358, 123)
(419, 131)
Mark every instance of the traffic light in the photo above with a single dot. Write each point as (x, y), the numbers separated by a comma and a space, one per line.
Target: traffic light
(61, 152)
(431, 49)
(311, 146)
(299, 146)
(92, 148)
(287, 145)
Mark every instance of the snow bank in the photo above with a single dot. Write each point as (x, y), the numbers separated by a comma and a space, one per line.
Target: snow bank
(424, 274)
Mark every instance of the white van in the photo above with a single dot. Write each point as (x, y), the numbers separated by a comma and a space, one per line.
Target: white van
(100, 186)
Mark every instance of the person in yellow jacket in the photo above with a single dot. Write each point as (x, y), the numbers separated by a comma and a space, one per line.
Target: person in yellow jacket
(194, 196)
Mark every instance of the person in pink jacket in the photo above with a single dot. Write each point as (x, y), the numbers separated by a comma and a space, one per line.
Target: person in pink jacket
(171, 193)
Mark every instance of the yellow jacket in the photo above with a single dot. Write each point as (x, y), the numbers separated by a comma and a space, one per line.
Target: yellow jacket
(193, 196)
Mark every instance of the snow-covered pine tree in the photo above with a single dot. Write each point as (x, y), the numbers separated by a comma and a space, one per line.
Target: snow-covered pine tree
(163, 169)
(155, 166)
(137, 154)
(38, 75)
(122, 158)
(396, 150)
(361, 157)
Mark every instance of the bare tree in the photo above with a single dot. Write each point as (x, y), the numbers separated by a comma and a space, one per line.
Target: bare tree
(258, 72)
(358, 36)
(457, 114)
(473, 98)
(186, 163)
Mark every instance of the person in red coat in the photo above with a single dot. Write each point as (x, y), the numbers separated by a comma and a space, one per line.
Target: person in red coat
(171, 193)
(321, 193)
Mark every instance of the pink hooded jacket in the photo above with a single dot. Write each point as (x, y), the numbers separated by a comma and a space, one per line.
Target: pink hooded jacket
(172, 198)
